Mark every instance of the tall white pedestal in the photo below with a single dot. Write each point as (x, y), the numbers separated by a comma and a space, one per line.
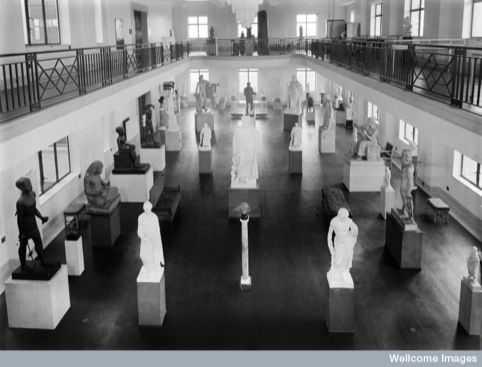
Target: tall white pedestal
(37, 304)
(74, 254)
(340, 315)
(204, 118)
(156, 157)
(296, 162)
(173, 140)
(387, 200)
(151, 298)
(290, 119)
(205, 162)
(133, 188)
(327, 139)
(470, 307)
(363, 176)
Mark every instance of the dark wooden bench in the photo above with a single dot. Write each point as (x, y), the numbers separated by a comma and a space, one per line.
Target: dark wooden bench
(169, 204)
(333, 200)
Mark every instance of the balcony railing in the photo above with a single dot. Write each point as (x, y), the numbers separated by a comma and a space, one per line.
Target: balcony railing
(452, 74)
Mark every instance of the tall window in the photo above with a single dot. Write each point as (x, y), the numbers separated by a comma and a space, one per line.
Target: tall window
(477, 19)
(99, 31)
(373, 110)
(54, 164)
(376, 20)
(408, 133)
(248, 75)
(417, 11)
(468, 170)
(307, 78)
(42, 22)
(254, 28)
(197, 27)
(194, 77)
(352, 16)
(309, 24)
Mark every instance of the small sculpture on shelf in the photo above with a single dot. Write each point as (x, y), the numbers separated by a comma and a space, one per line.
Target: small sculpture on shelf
(127, 149)
(151, 251)
(369, 134)
(205, 138)
(407, 183)
(295, 92)
(342, 246)
(246, 148)
(27, 224)
(295, 143)
(99, 194)
(328, 118)
(249, 93)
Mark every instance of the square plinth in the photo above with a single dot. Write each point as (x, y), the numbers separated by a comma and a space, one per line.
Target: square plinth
(105, 229)
(173, 140)
(74, 254)
(363, 176)
(470, 307)
(327, 139)
(296, 162)
(155, 156)
(340, 116)
(340, 313)
(151, 298)
(134, 188)
(205, 162)
(247, 195)
(203, 118)
(310, 115)
(404, 244)
(37, 304)
(387, 200)
(290, 119)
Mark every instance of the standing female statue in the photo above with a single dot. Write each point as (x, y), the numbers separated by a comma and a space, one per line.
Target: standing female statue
(148, 230)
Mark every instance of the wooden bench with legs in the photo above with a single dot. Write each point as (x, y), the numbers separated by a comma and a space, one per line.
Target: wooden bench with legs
(169, 204)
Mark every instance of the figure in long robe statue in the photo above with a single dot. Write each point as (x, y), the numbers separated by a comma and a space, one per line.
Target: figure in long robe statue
(295, 92)
(246, 148)
(151, 252)
(295, 142)
(407, 182)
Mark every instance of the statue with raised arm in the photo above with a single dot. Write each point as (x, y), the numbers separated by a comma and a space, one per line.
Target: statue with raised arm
(99, 194)
(295, 143)
(151, 252)
(205, 138)
(295, 92)
(407, 183)
(342, 246)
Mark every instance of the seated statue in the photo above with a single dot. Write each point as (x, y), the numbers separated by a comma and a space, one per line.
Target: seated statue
(295, 143)
(126, 148)
(99, 194)
(369, 134)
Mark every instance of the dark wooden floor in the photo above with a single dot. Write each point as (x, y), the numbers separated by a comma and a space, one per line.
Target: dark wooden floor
(285, 310)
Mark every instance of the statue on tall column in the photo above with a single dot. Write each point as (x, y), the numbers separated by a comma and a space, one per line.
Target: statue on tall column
(341, 248)
(148, 230)
(99, 194)
(407, 183)
(27, 224)
(295, 92)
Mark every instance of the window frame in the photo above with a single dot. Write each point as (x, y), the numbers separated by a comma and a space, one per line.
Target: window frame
(373, 19)
(404, 126)
(305, 25)
(477, 182)
(56, 161)
(305, 72)
(30, 28)
(245, 30)
(370, 109)
(197, 24)
(420, 11)
(248, 71)
(472, 20)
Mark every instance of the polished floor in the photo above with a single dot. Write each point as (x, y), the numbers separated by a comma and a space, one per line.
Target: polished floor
(286, 307)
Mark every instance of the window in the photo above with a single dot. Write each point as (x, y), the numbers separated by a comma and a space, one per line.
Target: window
(307, 78)
(197, 27)
(254, 29)
(352, 16)
(408, 133)
(194, 77)
(417, 11)
(376, 20)
(477, 19)
(468, 170)
(248, 75)
(42, 20)
(373, 110)
(309, 24)
(54, 164)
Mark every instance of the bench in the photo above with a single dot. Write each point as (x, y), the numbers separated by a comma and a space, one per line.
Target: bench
(439, 209)
(333, 200)
(168, 205)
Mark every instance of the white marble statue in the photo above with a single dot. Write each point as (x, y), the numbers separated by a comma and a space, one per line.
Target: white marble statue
(348, 104)
(172, 124)
(387, 178)
(328, 114)
(295, 93)
(295, 143)
(205, 138)
(246, 148)
(148, 230)
(473, 264)
(341, 248)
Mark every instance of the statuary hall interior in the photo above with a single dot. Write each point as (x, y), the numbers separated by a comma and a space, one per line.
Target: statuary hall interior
(189, 175)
